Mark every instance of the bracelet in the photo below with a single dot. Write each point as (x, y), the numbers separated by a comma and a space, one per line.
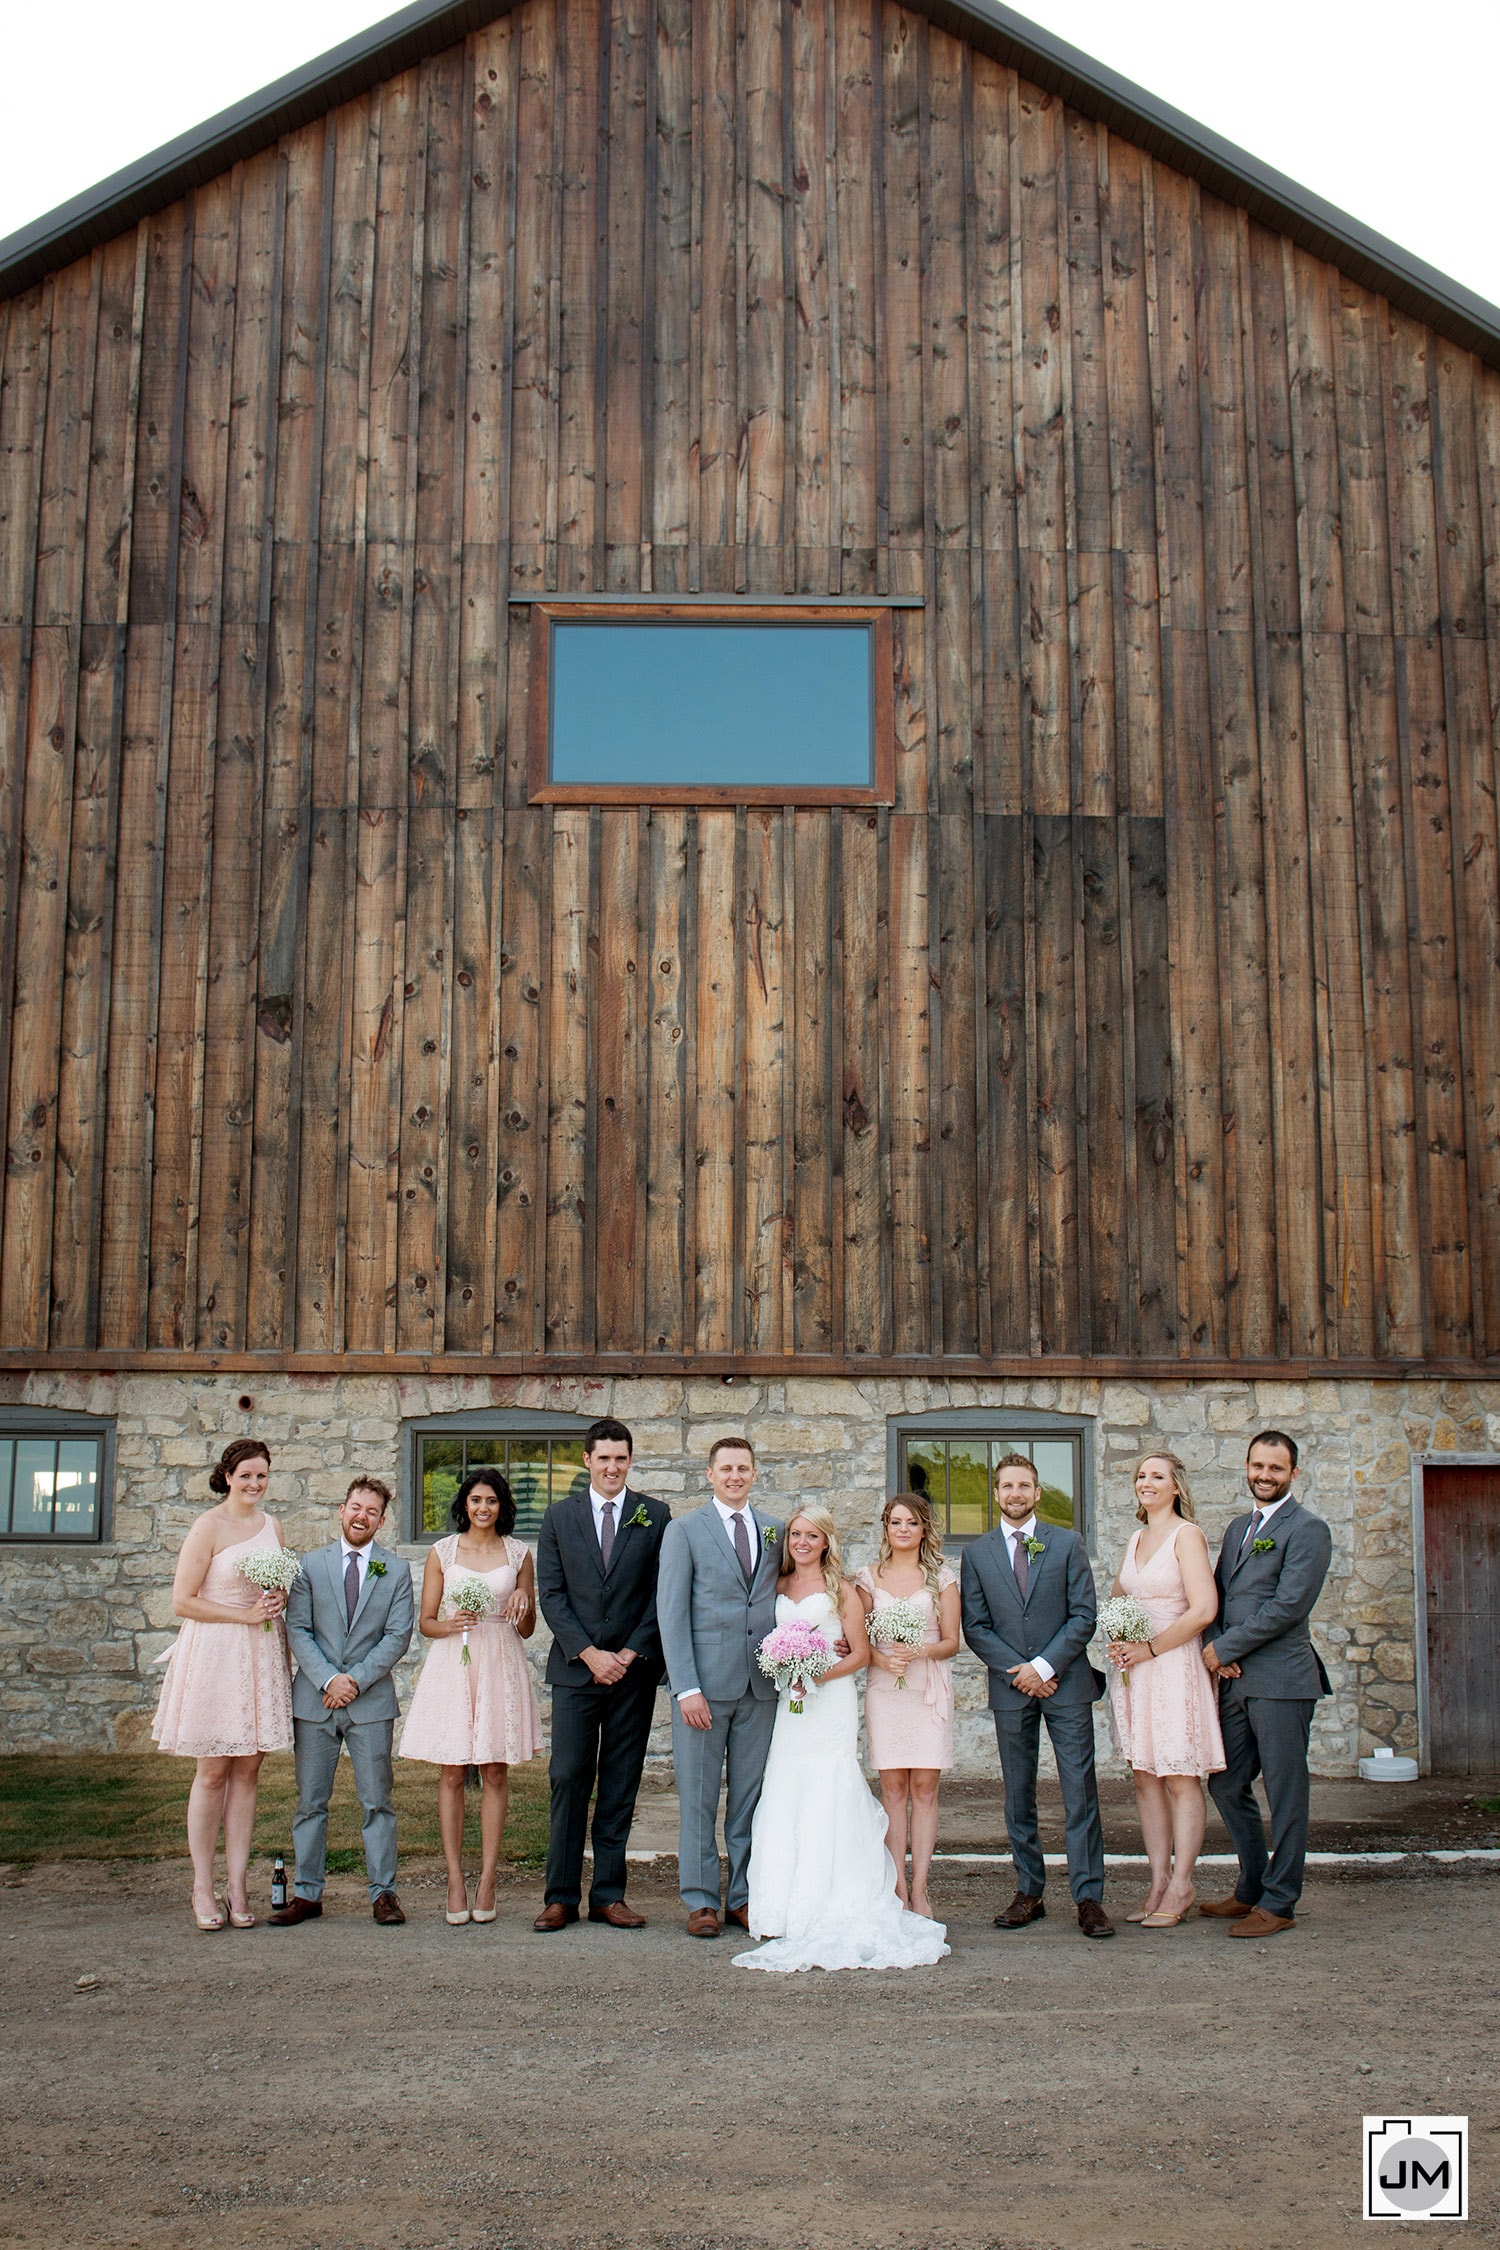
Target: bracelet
(1152, 1646)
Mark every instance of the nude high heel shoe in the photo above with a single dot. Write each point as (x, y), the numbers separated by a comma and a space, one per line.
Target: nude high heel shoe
(1162, 1921)
(457, 1921)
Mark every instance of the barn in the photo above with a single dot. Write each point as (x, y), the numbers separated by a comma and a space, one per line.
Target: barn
(777, 715)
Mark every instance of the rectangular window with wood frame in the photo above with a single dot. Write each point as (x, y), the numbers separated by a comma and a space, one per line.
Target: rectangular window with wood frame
(663, 704)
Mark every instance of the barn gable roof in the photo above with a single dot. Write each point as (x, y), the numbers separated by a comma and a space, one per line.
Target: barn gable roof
(1089, 87)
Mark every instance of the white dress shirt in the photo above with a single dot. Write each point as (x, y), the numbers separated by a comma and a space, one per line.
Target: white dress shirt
(1013, 1532)
(726, 1518)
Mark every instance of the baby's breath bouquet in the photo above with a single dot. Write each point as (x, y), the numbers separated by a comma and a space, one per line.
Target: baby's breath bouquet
(273, 1569)
(470, 1597)
(1123, 1618)
(901, 1623)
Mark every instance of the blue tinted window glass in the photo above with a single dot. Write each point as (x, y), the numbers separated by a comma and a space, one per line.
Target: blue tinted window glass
(688, 705)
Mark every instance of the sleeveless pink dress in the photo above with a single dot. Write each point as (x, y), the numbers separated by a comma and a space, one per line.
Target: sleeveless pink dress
(483, 1712)
(228, 1688)
(911, 1726)
(1165, 1711)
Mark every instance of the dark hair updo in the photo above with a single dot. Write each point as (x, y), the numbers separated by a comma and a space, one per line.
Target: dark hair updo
(241, 1449)
(505, 1521)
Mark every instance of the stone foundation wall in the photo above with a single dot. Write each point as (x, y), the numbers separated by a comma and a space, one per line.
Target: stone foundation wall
(81, 1628)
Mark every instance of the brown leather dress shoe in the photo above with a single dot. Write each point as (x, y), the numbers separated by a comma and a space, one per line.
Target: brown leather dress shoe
(557, 1916)
(295, 1910)
(1022, 1909)
(387, 1910)
(1259, 1923)
(1224, 1909)
(703, 1922)
(740, 1914)
(618, 1915)
(1092, 1919)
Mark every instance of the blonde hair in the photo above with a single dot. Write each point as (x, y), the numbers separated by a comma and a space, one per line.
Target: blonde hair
(833, 1568)
(1182, 1498)
(929, 1553)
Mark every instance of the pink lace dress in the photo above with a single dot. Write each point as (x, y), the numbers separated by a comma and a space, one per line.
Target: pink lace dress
(483, 1712)
(228, 1688)
(911, 1726)
(1165, 1711)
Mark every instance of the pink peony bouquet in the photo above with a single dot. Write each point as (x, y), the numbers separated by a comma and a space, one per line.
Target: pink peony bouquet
(795, 1656)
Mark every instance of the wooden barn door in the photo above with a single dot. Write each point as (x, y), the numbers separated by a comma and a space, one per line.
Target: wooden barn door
(1461, 1516)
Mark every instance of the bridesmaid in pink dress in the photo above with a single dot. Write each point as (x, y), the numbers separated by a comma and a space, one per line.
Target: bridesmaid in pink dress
(483, 1713)
(227, 1696)
(1162, 1701)
(909, 1729)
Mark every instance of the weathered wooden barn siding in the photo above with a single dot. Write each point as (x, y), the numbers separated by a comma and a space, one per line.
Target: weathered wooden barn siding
(1158, 1018)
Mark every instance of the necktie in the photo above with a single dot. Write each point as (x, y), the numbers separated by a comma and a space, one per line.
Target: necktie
(351, 1588)
(742, 1545)
(1254, 1531)
(1021, 1564)
(607, 1533)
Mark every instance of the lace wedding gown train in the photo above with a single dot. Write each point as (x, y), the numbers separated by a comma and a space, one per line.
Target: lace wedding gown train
(822, 1884)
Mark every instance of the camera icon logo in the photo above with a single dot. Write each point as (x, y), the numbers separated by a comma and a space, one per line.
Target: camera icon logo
(1416, 2167)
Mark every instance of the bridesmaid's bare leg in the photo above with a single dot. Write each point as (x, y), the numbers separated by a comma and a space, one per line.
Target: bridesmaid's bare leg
(924, 1820)
(494, 1804)
(1189, 1816)
(1155, 1811)
(895, 1787)
(205, 1816)
(451, 1829)
(239, 1828)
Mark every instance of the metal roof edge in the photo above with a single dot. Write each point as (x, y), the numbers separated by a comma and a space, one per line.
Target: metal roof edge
(149, 185)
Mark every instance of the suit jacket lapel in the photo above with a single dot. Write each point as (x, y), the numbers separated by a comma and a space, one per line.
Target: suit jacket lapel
(1238, 1529)
(583, 1517)
(763, 1553)
(370, 1579)
(623, 1510)
(1033, 1566)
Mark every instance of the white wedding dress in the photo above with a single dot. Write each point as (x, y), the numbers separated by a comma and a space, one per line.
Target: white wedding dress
(822, 1884)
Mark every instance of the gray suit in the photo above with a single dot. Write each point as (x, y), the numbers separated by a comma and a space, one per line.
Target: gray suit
(1056, 1622)
(367, 1647)
(711, 1625)
(1265, 1602)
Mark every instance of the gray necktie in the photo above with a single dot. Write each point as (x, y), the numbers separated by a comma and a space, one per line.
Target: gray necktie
(742, 1545)
(351, 1588)
(607, 1533)
(1021, 1564)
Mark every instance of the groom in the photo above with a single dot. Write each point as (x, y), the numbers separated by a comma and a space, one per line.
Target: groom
(349, 1620)
(1270, 1573)
(715, 1604)
(1029, 1612)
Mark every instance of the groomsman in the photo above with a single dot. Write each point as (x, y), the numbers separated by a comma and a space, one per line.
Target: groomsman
(596, 1565)
(1029, 1612)
(1270, 1573)
(349, 1620)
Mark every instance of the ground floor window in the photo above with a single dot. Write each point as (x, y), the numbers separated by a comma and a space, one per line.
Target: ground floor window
(955, 1468)
(541, 1461)
(51, 1480)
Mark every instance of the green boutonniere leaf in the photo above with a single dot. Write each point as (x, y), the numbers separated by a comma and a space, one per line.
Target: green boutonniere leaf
(377, 1567)
(640, 1518)
(1034, 1547)
(1262, 1546)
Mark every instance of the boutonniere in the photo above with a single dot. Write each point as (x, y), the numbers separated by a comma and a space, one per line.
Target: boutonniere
(377, 1567)
(1262, 1546)
(769, 1538)
(640, 1518)
(1034, 1546)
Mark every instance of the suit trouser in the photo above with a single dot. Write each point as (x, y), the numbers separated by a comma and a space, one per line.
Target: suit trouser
(1266, 1735)
(318, 1743)
(1071, 1728)
(603, 1731)
(740, 1738)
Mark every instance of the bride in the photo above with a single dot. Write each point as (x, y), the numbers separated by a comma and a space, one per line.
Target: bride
(822, 1884)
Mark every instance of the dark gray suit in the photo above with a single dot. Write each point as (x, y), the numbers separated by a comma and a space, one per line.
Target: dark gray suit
(1265, 1602)
(367, 1647)
(1056, 1622)
(711, 1625)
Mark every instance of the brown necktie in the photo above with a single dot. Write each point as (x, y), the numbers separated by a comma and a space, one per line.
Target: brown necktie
(742, 1545)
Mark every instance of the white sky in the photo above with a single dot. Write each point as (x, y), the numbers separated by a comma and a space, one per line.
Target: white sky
(1386, 111)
